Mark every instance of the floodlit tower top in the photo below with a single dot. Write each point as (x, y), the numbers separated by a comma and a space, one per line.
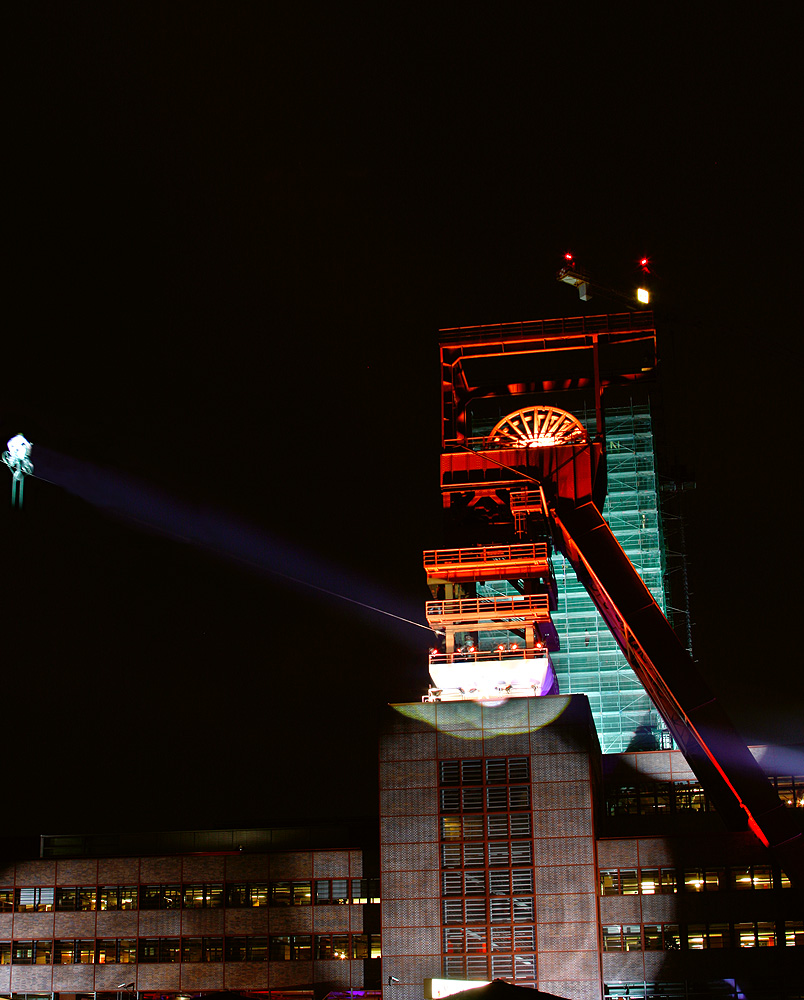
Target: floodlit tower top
(19, 448)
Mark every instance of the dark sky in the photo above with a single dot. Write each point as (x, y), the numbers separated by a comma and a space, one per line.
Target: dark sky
(233, 232)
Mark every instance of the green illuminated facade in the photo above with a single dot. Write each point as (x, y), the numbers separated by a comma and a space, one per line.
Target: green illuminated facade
(590, 662)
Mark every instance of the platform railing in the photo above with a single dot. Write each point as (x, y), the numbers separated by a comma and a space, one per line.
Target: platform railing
(439, 558)
(491, 655)
(535, 607)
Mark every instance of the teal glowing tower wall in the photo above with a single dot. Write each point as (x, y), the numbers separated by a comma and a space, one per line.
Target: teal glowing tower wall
(590, 662)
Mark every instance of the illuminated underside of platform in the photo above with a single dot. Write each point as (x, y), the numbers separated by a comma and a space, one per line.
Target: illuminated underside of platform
(460, 677)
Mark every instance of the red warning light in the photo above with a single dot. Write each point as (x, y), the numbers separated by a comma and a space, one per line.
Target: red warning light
(644, 263)
(567, 256)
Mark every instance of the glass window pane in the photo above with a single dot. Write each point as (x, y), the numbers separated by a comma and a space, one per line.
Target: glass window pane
(612, 938)
(719, 936)
(649, 881)
(766, 934)
(107, 951)
(66, 899)
(191, 949)
(629, 886)
(632, 938)
(213, 949)
(64, 952)
(257, 949)
(696, 937)
(127, 950)
(653, 937)
(85, 952)
(302, 893)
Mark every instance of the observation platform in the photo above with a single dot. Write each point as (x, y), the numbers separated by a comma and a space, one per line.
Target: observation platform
(498, 562)
(479, 614)
(491, 675)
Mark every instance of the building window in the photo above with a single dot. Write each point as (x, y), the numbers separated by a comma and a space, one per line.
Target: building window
(79, 898)
(752, 877)
(291, 893)
(6, 900)
(240, 895)
(127, 950)
(487, 875)
(365, 890)
(365, 946)
(246, 949)
(5, 952)
(117, 897)
(290, 947)
(33, 900)
(791, 790)
(335, 890)
(160, 897)
(202, 949)
(700, 936)
(159, 950)
(661, 937)
(622, 937)
(704, 879)
(31, 952)
(794, 933)
(106, 951)
(207, 895)
(331, 946)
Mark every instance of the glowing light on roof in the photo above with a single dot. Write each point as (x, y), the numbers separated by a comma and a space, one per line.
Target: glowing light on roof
(643, 295)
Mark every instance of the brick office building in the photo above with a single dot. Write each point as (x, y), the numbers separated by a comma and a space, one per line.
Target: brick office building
(224, 910)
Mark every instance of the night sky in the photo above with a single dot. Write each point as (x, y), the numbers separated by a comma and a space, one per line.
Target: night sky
(232, 234)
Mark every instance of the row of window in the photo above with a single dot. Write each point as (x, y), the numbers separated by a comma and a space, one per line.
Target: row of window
(663, 797)
(493, 798)
(497, 770)
(213, 895)
(106, 951)
(673, 937)
(481, 911)
(481, 940)
(516, 968)
(477, 827)
(651, 881)
(684, 796)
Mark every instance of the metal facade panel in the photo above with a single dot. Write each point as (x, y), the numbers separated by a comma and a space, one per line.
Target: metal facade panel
(562, 767)
(409, 857)
(416, 802)
(202, 923)
(420, 829)
(408, 774)
(290, 865)
(586, 990)
(247, 868)
(246, 975)
(211, 868)
(118, 871)
(155, 871)
(35, 873)
(74, 978)
(77, 871)
(202, 976)
(562, 823)
(410, 746)
(564, 851)
(73, 925)
(562, 795)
